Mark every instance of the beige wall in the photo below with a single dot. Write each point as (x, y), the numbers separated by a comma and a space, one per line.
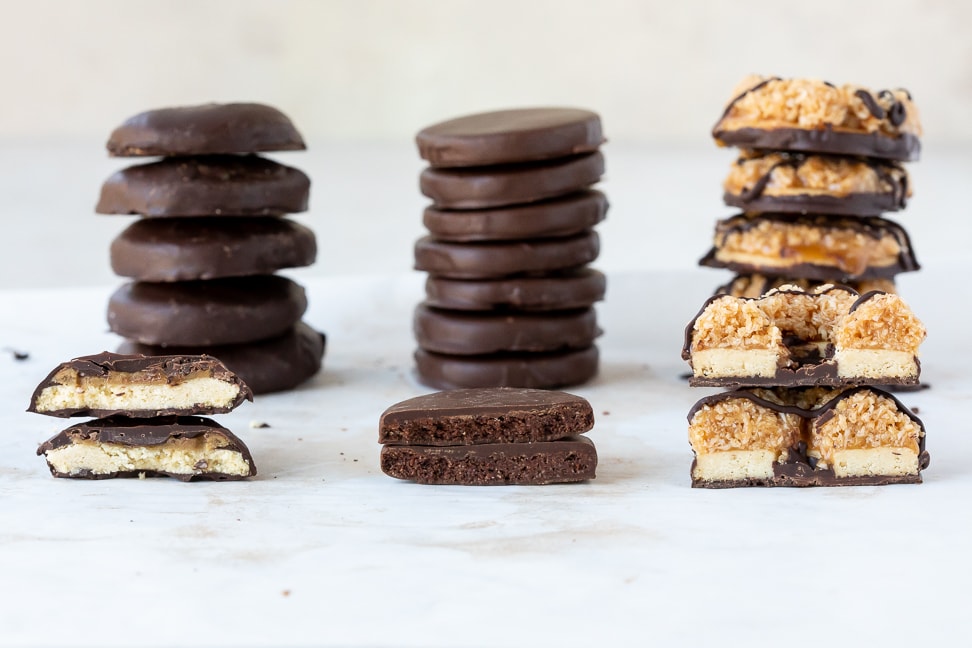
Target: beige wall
(380, 69)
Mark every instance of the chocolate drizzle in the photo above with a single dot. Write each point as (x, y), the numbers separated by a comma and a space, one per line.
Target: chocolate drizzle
(738, 98)
(870, 103)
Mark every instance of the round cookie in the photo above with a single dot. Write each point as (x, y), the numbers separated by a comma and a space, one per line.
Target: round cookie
(266, 366)
(205, 130)
(220, 185)
(481, 188)
(463, 333)
(550, 218)
(576, 289)
(532, 370)
(503, 259)
(206, 313)
(182, 249)
(509, 136)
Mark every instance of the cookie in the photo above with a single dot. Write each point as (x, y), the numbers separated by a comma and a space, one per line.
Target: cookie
(813, 116)
(206, 313)
(558, 217)
(532, 370)
(757, 285)
(223, 185)
(789, 337)
(805, 437)
(487, 187)
(510, 136)
(465, 333)
(544, 462)
(271, 365)
(184, 249)
(794, 182)
(505, 258)
(184, 447)
(486, 415)
(139, 386)
(205, 130)
(562, 291)
(812, 246)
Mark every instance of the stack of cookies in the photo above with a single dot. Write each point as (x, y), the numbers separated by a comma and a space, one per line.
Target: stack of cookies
(509, 296)
(489, 436)
(811, 326)
(150, 423)
(211, 237)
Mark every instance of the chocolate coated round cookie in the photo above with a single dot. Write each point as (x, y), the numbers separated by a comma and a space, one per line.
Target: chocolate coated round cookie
(271, 365)
(511, 184)
(557, 217)
(206, 313)
(182, 249)
(505, 136)
(506, 258)
(219, 185)
(463, 333)
(573, 289)
(205, 130)
(533, 370)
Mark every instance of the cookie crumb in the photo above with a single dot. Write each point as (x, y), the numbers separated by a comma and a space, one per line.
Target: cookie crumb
(258, 425)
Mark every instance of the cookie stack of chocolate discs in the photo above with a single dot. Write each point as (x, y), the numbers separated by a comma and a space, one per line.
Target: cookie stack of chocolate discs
(818, 167)
(150, 423)
(509, 296)
(211, 237)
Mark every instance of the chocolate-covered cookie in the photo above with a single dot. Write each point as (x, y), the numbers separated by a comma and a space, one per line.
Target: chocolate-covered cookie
(534, 370)
(567, 290)
(509, 136)
(496, 259)
(206, 313)
(485, 187)
(205, 130)
(270, 365)
(183, 249)
(223, 185)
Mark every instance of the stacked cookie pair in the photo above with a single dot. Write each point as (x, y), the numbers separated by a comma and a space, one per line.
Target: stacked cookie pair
(150, 421)
(489, 436)
(211, 237)
(811, 326)
(509, 296)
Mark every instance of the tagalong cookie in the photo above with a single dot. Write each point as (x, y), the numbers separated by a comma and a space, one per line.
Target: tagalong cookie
(206, 313)
(184, 447)
(139, 386)
(805, 437)
(275, 364)
(757, 285)
(486, 187)
(223, 185)
(533, 370)
(509, 136)
(205, 130)
(561, 291)
(812, 246)
(821, 184)
(818, 117)
(496, 259)
(183, 249)
(558, 217)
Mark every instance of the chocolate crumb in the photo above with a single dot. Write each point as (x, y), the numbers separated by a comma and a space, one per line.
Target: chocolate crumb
(17, 355)
(258, 425)
(605, 413)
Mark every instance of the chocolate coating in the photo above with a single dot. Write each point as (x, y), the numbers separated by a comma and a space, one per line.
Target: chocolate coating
(576, 289)
(904, 147)
(183, 249)
(206, 313)
(223, 185)
(504, 259)
(534, 370)
(205, 130)
(267, 366)
(860, 204)
(544, 462)
(485, 187)
(509, 136)
(462, 333)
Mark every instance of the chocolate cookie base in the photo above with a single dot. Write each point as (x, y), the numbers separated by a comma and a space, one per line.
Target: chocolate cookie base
(532, 370)
(812, 271)
(797, 473)
(904, 147)
(859, 204)
(820, 374)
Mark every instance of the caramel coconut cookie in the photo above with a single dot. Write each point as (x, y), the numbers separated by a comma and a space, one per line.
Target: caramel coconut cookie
(818, 117)
(757, 285)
